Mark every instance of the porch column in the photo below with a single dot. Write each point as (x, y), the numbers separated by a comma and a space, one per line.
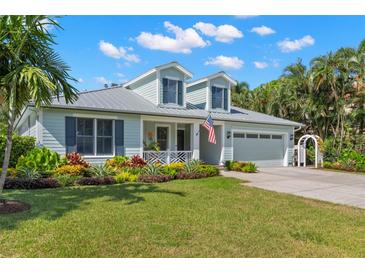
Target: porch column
(195, 138)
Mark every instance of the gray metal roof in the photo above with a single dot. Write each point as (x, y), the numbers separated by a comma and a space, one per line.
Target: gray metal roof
(120, 99)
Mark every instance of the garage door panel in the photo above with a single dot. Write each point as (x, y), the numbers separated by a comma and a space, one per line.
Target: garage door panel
(264, 151)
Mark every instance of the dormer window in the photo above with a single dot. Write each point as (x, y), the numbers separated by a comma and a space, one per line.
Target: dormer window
(219, 98)
(172, 91)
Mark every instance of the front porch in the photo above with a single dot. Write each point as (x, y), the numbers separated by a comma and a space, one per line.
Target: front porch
(168, 140)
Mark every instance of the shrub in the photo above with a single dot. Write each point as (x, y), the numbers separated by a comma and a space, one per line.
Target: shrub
(28, 173)
(249, 168)
(67, 180)
(228, 165)
(11, 172)
(327, 165)
(41, 159)
(152, 169)
(75, 158)
(20, 147)
(101, 171)
(172, 169)
(131, 170)
(117, 161)
(208, 170)
(191, 166)
(159, 178)
(136, 161)
(20, 183)
(108, 180)
(125, 177)
(190, 175)
(352, 160)
(72, 170)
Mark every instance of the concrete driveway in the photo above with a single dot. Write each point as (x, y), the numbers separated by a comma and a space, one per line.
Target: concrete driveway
(336, 187)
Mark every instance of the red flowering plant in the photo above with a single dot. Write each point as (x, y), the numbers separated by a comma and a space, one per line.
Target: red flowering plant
(75, 158)
(136, 161)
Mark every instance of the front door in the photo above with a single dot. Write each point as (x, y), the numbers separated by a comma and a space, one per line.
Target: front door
(180, 139)
(163, 137)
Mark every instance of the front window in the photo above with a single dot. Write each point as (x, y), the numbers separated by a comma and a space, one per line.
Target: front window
(219, 98)
(172, 91)
(94, 141)
(85, 136)
(104, 137)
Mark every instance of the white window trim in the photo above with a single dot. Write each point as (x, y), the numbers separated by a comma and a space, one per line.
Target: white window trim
(168, 137)
(95, 124)
(171, 78)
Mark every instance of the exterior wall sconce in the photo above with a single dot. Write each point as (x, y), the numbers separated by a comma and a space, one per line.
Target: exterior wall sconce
(228, 134)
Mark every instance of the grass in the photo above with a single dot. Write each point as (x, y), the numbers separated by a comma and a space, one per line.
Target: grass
(213, 217)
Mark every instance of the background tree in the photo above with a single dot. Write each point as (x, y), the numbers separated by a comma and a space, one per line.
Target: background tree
(30, 70)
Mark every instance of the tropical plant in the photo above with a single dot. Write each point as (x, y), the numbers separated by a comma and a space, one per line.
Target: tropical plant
(117, 161)
(249, 168)
(125, 177)
(40, 159)
(28, 173)
(30, 70)
(67, 180)
(75, 158)
(72, 170)
(152, 169)
(101, 171)
(21, 146)
(191, 166)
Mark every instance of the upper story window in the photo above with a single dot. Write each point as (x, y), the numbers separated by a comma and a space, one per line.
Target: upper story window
(219, 98)
(172, 91)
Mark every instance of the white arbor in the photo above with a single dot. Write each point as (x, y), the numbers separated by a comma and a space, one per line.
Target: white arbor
(301, 150)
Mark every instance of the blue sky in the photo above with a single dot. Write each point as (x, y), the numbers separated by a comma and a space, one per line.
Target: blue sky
(117, 48)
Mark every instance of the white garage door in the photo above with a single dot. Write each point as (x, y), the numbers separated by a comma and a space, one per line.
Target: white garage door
(261, 148)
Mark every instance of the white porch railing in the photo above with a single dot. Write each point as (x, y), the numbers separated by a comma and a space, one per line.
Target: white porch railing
(167, 157)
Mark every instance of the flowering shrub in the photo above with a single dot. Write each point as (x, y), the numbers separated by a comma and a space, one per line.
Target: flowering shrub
(247, 167)
(72, 170)
(117, 161)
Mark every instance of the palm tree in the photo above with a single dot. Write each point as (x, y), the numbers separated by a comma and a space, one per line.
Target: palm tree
(30, 70)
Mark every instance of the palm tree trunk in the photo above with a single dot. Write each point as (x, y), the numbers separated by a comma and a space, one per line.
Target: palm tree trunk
(9, 142)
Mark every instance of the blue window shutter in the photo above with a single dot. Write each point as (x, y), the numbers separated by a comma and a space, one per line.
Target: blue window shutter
(225, 95)
(213, 97)
(70, 134)
(119, 137)
(164, 90)
(180, 93)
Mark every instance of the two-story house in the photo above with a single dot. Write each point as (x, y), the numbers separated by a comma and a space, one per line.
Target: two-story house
(166, 107)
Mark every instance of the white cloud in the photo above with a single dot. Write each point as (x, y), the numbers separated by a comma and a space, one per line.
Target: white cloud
(120, 75)
(225, 62)
(261, 65)
(293, 45)
(117, 53)
(183, 42)
(102, 80)
(222, 33)
(263, 30)
(80, 80)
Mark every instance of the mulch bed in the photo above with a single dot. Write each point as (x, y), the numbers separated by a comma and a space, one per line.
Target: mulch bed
(13, 206)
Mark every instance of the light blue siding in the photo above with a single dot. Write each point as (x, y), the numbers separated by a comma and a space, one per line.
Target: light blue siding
(53, 133)
(197, 95)
(147, 88)
(219, 82)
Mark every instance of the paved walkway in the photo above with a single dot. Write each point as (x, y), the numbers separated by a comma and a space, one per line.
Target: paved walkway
(336, 187)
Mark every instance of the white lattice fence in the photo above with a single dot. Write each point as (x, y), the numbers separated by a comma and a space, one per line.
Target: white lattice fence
(167, 157)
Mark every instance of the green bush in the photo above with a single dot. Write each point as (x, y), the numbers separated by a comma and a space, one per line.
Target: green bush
(249, 168)
(208, 170)
(228, 165)
(152, 169)
(21, 146)
(40, 159)
(101, 171)
(28, 173)
(67, 180)
(125, 177)
(352, 160)
(10, 173)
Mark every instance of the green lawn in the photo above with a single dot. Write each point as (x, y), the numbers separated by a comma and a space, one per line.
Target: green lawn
(214, 217)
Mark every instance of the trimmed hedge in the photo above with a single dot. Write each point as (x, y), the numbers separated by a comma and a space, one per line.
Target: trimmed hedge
(18, 183)
(157, 178)
(21, 146)
(88, 181)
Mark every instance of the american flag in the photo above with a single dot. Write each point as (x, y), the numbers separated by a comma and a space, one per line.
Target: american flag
(208, 124)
